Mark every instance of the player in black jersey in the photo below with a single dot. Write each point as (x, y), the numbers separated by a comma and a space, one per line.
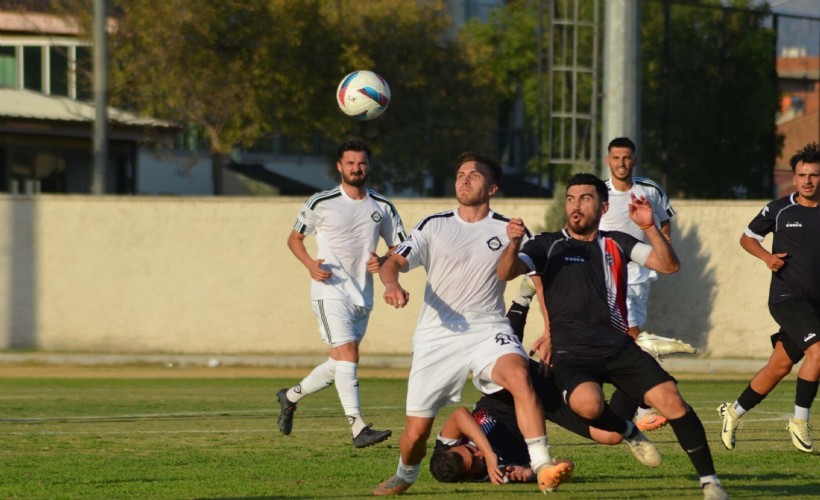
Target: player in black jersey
(794, 298)
(583, 273)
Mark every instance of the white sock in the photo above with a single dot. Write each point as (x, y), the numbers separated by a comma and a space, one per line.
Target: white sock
(408, 473)
(709, 479)
(320, 378)
(347, 385)
(642, 411)
(739, 410)
(801, 413)
(539, 452)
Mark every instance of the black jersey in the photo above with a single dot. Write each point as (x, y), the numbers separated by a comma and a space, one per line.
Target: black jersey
(501, 428)
(497, 410)
(585, 290)
(796, 230)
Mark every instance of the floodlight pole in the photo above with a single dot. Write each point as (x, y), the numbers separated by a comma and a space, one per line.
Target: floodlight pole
(100, 98)
(622, 74)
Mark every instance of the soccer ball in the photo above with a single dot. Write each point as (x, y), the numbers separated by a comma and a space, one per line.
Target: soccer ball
(363, 95)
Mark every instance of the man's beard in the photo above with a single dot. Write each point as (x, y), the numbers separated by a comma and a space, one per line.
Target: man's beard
(355, 182)
(583, 227)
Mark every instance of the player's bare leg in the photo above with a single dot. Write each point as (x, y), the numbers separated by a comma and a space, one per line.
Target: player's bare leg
(413, 444)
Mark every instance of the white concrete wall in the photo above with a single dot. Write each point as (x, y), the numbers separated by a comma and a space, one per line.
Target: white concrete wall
(209, 275)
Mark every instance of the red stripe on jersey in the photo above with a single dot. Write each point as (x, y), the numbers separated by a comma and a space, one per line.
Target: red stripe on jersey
(616, 268)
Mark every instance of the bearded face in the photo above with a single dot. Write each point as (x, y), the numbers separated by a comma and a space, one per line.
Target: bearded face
(354, 167)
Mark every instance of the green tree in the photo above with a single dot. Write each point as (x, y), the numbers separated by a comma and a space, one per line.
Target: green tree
(709, 99)
(439, 107)
(234, 69)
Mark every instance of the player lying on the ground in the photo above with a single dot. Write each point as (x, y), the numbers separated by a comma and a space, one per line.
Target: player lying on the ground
(487, 444)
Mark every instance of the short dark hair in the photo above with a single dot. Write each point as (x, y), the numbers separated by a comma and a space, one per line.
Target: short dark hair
(351, 146)
(621, 142)
(585, 179)
(494, 166)
(809, 154)
(446, 465)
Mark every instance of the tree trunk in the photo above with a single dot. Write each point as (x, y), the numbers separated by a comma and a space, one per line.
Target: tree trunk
(219, 161)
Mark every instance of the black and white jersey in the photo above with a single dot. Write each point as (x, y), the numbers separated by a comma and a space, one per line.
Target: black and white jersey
(460, 258)
(796, 230)
(585, 289)
(617, 217)
(347, 230)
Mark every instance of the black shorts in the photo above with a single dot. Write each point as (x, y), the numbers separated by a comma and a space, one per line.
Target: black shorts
(632, 370)
(799, 322)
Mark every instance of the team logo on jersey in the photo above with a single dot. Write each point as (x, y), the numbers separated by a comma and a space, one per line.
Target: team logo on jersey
(376, 216)
(610, 259)
(494, 243)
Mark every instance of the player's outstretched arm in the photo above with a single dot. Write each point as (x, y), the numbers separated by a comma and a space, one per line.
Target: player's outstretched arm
(296, 243)
(394, 294)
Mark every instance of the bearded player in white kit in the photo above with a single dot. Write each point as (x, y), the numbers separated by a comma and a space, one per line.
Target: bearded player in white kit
(348, 222)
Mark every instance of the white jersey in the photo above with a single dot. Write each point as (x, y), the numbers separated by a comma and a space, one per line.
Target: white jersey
(460, 258)
(617, 217)
(347, 230)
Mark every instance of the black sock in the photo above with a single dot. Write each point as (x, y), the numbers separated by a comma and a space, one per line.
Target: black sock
(622, 405)
(517, 314)
(749, 398)
(805, 393)
(692, 438)
(608, 421)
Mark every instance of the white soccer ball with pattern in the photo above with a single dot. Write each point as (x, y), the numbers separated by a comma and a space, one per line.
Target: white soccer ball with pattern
(363, 95)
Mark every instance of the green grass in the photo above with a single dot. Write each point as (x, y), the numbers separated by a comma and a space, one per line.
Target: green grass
(217, 438)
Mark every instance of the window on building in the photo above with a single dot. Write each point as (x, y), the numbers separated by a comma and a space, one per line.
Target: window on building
(58, 70)
(33, 68)
(8, 67)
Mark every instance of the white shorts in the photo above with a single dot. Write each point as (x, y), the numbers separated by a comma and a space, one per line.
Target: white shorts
(637, 297)
(440, 368)
(340, 322)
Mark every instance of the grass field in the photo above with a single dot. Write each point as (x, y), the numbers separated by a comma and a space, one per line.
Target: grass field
(152, 434)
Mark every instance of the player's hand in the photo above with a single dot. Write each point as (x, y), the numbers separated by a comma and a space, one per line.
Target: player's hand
(374, 263)
(516, 230)
(496, 476)
(543, 346)
(776, 262)
(518, 474)
(317, 272)
(396, 296)
(640, 211)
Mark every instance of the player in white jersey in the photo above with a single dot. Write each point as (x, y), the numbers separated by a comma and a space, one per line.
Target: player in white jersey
(348, 222)
(622, 185)
(462, 329)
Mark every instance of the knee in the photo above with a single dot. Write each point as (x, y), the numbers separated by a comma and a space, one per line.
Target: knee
(779, 369)
(589, 409)
(813, 354)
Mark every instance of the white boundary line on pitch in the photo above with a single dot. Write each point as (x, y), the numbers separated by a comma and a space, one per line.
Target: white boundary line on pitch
(180, 415)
